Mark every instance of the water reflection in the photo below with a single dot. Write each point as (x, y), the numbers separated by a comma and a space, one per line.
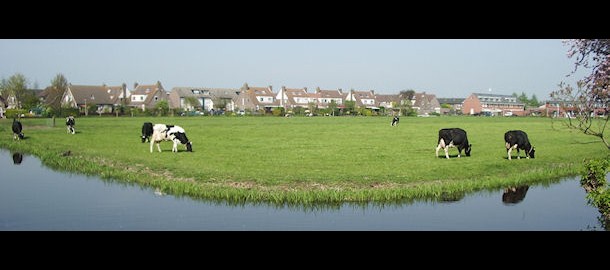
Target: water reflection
(77, 202)
(514, 195)
(17, 158)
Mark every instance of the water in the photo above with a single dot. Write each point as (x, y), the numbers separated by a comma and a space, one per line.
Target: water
(33, 197)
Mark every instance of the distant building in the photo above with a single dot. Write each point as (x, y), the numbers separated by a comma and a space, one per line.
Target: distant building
(455, 103)
(426, 103)
(207, 98)
(492, 103)
(326, 97)
(256, 98)
(363, 98)
(105, 98)
(146, 96)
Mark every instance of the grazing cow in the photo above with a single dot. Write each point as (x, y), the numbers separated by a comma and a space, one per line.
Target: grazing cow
(395, 121)
(453, 137)
(70, 124)
(147, 131)
(17, 130)
(172, 133)
(517, 139)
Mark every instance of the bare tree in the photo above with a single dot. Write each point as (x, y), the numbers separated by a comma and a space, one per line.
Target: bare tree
(591, 96)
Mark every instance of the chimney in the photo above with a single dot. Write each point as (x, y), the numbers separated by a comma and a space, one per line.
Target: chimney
(317, 89)
(159, 85)
(305, 88)
(135, 85)
(271, 88)
(124, 99)
(340, 91)
(373, 92)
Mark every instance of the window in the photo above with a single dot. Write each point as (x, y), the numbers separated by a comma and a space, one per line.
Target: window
(156, 98)
(141, 98)
(261, 99)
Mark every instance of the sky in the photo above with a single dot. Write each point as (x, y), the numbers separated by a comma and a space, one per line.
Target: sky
(444, 67)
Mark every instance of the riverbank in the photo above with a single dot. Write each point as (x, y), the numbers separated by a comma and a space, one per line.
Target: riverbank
(307, 160)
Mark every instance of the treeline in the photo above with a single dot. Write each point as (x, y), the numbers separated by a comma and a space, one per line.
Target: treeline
(529, 102)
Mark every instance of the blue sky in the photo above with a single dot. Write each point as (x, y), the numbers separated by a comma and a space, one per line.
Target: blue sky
(447, 68)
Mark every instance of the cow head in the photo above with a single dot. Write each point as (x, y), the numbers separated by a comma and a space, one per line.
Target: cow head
(143, 138)
(467, 150)
(531, 152)
(189, 147)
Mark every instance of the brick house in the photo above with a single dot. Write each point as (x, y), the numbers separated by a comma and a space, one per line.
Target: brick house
(425, 104)
(363, 98)
(290, 98)
(455, 103)
(325, 97)
(256, 98)
(208, 98)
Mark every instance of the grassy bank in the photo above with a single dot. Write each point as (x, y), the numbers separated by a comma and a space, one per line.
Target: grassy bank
(304, 160)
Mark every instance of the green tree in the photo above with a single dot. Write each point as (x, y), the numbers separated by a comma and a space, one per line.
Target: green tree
(534, 101)
(191, 101)
(16, 86)
(162, 108)
(332, 106)
(350, 106)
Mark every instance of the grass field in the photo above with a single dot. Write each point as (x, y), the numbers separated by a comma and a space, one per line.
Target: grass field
(308, 159)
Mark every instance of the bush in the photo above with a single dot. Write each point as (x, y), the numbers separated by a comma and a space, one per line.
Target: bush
(13, 113)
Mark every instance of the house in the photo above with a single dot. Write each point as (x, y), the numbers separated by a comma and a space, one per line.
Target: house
(146, 96)
(425, 104)
(104, 97)
(326, 97)
(363, 98)
(492, 103)
(454, 103)
(10, 99)
(256, 98)
(388, 101)
(207, 98)
(290, 98)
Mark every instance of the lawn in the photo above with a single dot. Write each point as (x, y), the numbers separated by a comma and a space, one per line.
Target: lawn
(308, 159)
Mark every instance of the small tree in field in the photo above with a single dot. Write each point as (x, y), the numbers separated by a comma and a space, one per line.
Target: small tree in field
(591, 95)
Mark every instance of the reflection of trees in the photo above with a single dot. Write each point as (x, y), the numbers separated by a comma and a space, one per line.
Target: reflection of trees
(17, 158)
(514, 195)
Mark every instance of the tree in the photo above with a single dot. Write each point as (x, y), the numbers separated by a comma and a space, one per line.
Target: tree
(192, 102)
(332, 106)
(16, 86)
(591, 93)
(59, 85)
(162, 107)
(534, 101)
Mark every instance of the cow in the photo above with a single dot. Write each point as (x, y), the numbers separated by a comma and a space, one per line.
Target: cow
(453, 137)
(517, 139)
(147, 131)
(70, 124)
(17, 130)
(395, 121)
(172, 133)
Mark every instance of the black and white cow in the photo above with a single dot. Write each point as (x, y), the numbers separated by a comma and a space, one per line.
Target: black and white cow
(17, 130)
(453, 137)
(517, 139)
(395, 121)
(172, 133)
(70, 124)
(147, 131)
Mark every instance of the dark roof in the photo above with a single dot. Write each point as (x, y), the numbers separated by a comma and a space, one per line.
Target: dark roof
(450, 100)
(96, 94)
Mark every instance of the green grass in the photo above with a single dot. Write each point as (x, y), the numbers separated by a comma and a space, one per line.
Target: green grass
(308, 160)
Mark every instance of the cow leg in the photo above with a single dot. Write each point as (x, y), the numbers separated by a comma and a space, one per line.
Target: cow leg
(441, 144)
(447, 151)
(508, 151)
(159, 146)
(518, 154)
(151, 146)
(459, 152)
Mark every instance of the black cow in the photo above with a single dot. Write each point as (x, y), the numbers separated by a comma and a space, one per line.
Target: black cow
(517, 139)
(17, 130)
(70, 124)
(453, 137)
(147, 131)
(395, 121)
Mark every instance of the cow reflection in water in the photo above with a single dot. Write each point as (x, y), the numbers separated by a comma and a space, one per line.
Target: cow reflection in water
(514, 195)
(17, 158)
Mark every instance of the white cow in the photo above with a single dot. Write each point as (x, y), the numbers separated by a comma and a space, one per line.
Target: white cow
(172, 133)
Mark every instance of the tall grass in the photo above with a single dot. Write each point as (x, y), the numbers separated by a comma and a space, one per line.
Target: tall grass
(308, 160)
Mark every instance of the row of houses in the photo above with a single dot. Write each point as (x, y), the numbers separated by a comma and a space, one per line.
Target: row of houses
(256, 98)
